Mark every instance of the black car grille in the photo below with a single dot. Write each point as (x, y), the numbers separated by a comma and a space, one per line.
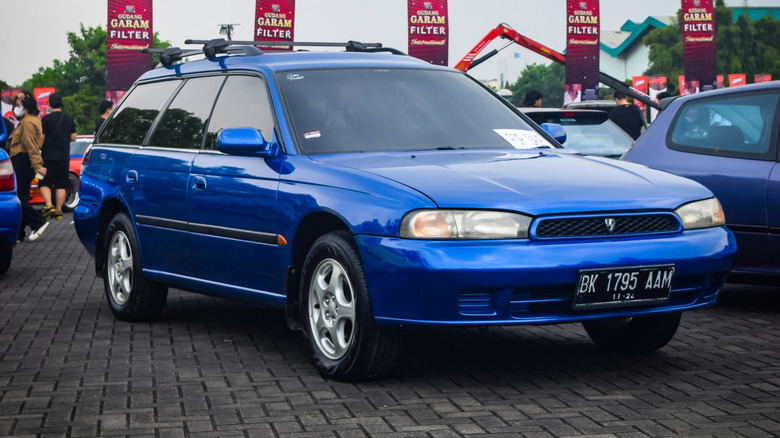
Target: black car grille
(606, 225)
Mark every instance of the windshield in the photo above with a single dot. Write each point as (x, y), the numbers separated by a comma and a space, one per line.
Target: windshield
(373, 110)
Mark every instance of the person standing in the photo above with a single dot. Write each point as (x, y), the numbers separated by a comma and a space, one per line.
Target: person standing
(58, 131)
(24, 150)
(105, 109)
(626, 115)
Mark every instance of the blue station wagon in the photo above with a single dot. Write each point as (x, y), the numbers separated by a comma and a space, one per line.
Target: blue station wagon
(365, 191)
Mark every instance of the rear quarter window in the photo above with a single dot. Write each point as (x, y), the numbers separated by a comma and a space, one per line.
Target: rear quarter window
(131, 121)
(739, 126)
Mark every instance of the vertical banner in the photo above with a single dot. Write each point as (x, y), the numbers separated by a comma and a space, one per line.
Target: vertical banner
(736, 79)
(657, 86)
(129, 30)
(582, 50)
(275, 21)
(698, 26)
(639, 83)
(761, 77)
(428, 29)
(42, 99)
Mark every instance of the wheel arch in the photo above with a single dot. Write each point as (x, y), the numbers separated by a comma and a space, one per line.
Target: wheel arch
(110, 208)
(310, 229)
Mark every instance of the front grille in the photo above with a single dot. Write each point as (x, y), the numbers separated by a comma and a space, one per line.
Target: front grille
(606, 225)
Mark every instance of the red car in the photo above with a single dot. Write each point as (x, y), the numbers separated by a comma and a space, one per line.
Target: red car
(77, 148)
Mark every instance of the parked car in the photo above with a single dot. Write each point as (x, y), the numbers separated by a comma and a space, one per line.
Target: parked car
(10, 207)
(588, 132)
(364, 192)
(77, 149)
(728, 141)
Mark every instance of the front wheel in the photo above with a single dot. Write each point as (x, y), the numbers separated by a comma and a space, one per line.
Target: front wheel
(339, 327)
(72, 193)
(131, 297)
(639, 334)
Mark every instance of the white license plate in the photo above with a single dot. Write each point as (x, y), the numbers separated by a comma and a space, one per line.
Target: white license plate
(623, 286)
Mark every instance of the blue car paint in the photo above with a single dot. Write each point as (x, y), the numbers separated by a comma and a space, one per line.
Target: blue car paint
(748, 189)
(410, 281)
(10, 209)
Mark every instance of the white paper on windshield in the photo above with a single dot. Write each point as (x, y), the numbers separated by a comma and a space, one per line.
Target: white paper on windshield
(523, 139)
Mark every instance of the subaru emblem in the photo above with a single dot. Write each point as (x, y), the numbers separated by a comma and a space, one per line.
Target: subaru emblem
(610, 223)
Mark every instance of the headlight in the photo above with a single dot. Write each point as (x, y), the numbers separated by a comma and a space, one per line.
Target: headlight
(702, 214)
(464, 224)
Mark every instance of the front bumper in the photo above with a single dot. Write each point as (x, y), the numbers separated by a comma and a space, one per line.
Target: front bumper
(531, 282)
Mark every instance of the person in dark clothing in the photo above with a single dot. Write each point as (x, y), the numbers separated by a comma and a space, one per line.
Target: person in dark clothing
(58, 131)
(533, 98)
(105, 109)
(626, 115)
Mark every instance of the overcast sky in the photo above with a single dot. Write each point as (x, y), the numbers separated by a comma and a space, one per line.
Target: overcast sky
(34, 32)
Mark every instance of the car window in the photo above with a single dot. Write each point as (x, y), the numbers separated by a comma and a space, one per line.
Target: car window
(361, 110)
(734, 126)
(132, 120)
(79, 146)
(242, 103)
(184, 121)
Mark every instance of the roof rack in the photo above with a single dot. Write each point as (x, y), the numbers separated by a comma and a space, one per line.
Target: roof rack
(211, 48)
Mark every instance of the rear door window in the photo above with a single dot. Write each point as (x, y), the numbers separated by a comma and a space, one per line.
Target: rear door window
(131, 121)
(739, 126)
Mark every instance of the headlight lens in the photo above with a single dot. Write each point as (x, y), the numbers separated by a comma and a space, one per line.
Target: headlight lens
(702, 214)
(464, 224)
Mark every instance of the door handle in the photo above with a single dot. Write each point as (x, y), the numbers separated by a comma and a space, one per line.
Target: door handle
(198, 183)
(131, 177)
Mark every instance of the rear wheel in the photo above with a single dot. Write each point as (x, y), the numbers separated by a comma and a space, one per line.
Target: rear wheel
(640, 334)
(72, 193)
(6, 254)
(131, 297)
(339, 326)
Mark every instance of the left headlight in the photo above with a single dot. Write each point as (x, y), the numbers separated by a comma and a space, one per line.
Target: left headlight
(464, 224)
(701, 214)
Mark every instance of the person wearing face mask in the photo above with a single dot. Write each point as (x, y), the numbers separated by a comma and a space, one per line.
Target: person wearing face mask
(24, 149)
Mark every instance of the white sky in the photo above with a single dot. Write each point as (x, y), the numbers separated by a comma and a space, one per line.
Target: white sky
(34, 32)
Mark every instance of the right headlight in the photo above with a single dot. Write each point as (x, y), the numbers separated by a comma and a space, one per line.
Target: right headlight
(701, 214)
(464, 224)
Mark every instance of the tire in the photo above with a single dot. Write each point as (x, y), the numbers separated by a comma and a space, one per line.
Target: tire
(338, 323)
(130, 296)
(72, 194)
(640, 334)
(6, 254)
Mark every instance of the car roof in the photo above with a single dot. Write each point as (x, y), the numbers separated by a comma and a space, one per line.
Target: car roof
(286, 61)
(758, 86)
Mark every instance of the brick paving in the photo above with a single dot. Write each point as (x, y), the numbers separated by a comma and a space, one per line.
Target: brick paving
(209, 367)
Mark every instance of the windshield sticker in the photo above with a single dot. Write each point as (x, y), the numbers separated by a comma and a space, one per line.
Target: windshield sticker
(522, 139)
(310, 135)
(294, 77)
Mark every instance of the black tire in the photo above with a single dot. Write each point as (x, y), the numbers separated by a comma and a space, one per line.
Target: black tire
(130, 296)
(640, 334)
(72, 193)
(6, 254)
(338, 323)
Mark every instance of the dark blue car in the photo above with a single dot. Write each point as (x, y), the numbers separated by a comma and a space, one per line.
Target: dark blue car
(728, 141)
(365, 192)
(10, 207)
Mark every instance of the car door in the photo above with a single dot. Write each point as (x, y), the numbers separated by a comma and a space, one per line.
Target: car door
(773, 201)
(158, 174)
(232, 199)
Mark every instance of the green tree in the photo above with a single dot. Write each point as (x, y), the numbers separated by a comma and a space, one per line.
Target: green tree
(547, 79)
(743, 46)
(82, 78)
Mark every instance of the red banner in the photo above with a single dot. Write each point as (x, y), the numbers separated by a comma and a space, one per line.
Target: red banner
(582, 50)
(698, 25)
(737, 79)
(428, 29)
(639, 83)
(687, 87)
(42, 98)
(762, 77)
(275, 21)
(129, 30)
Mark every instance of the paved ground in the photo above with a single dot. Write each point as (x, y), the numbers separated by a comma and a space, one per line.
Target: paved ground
(209, 368)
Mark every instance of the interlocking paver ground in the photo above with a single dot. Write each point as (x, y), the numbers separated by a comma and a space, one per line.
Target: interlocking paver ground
(209, 367)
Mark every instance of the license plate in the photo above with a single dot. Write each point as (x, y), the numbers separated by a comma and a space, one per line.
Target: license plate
(623, 286)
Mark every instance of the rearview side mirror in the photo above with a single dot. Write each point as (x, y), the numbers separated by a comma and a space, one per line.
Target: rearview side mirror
(246, 142)
(556, 131)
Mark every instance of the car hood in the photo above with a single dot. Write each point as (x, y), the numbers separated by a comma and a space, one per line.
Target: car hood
(539, 181)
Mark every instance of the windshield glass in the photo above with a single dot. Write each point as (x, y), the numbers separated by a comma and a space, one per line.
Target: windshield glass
(373, 110)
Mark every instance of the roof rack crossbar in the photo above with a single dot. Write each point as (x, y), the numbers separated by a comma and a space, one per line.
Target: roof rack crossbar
(171, 55)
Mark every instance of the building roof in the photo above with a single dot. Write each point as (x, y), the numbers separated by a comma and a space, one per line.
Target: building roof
(615, 42)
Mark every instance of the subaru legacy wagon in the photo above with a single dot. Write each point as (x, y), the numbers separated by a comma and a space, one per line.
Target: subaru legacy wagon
(365, 192)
